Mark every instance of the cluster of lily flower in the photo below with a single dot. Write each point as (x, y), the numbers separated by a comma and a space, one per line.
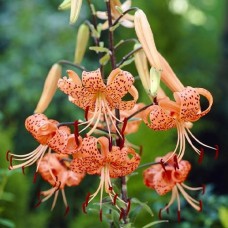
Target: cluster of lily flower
(64, 157)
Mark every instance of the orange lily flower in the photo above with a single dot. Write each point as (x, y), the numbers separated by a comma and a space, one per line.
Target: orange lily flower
(96, 157)
(46, 132)
(54, 168)
(170, 177)
(93, 95)
(179, 113)
(127, 20)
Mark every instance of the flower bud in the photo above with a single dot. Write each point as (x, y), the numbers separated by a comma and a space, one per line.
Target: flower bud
(65, 5)
(155, 76)
(81, 43)
(75, 10)
(49, 88)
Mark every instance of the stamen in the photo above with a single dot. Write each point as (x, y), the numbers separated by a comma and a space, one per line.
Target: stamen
(176, 166)
(203, 188)
(38, 204)
(201, 156)
(34, 177)
(216, 151)
(100, 215)
(11, 161)
(86, 113)
(114, 199)
(121, 213)
(179, 216)
(23, 170)
(124, 126)
(84, 208)
(7, 155)
(67, 211)
(163, 164)
(110, 144)
(128, 206)
(87, 199)
(110, 188)
(159, 214)
(200, 205)
(76, 134)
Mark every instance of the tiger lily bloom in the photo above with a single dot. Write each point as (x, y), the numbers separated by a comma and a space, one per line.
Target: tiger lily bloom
(127, 20)
(96, 157)
(92, 95)
(171, 177)
(180, 114)
(50, 137)
(54, 168)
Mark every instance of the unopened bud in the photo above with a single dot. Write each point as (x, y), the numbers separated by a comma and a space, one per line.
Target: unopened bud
(142, 67)
(155, 76)
(65, 5)
(75, 9)
(81, 43)
(145, 36)
(49, 88)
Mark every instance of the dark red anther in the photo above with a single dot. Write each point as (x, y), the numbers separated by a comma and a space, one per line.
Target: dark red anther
(122, 141)
(38, 204)
(110, 144)
(100, 215)
(201, 156)
(128, 206)
(86, 113)
(121, 213)
(203, 188)
(140, 150)
(87, 199)
(167, 209)
(176, 165)
(216, 151)
(110, 188)
(23, 169)
(160, 214)
(34, 177)
(56, 181)
(7, 155)
(84, 208)
(114, 199)
(200, 205)
(67, 210)
(163, 164)
(11, 160)
(124, 126)
(179, 216)
(76, 134)
(57, 189)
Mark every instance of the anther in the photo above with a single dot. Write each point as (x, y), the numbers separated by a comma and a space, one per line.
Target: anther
(176, 166)
(124, 126)
(100, 215)
(67, 211)
(23, 169)
(163, 164)
(178, 216)
(128, 206)
(203, 188)
(87, 199)
(121, 213)
(200, 205)
(76, 134)
(110, 144)
(38, 204)
(216, 151)
(7, 155)
(34, 177)
(114, 199)
(84, 208)
(201, 156)
(110, 188)
(11, 160)
(159, 214)
(86, 113)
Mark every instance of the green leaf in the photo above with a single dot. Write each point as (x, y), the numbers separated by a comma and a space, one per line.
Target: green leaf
(7, 223)
(223, 215)
(154, 223)
(143, 205)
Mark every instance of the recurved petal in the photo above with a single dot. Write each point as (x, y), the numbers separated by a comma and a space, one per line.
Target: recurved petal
(157, 119)
(119, 83)
(189, 101)
(93, 81)
(179, 175)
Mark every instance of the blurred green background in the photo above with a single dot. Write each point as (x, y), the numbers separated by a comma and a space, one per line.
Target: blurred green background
(193, 37)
